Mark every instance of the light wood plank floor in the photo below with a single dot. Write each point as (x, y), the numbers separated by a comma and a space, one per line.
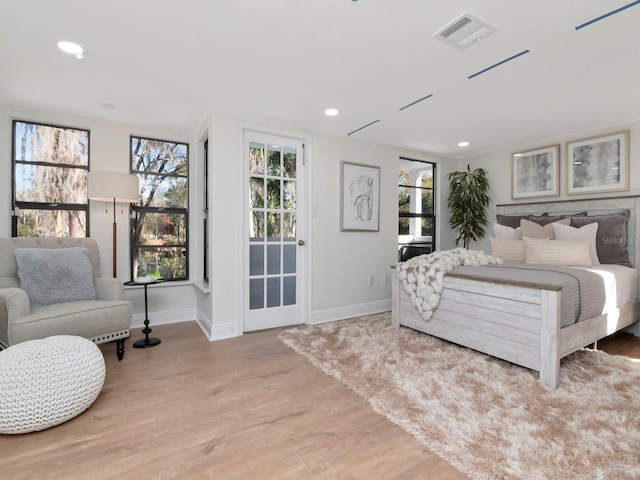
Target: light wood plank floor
(235, 409)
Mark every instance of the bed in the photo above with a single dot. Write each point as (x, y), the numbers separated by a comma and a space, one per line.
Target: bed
(520, 321)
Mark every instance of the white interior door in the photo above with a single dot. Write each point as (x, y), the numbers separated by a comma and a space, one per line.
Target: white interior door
(273, 272)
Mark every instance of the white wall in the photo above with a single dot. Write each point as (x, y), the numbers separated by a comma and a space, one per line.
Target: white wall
(339, 263)
(343, 261)
(498, 165)
(221, 318)
(109, 150)
(196, 194)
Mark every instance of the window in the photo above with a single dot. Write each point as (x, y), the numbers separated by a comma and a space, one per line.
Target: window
(417, 221)
(159, 241)
(49, 190)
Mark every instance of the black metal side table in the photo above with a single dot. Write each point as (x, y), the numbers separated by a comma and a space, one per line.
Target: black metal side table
(145, 282)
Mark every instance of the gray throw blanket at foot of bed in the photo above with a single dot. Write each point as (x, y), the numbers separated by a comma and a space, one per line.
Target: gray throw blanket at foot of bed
(422, 277)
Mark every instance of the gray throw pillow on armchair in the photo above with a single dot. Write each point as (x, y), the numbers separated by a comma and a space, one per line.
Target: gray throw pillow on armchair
(55, 275)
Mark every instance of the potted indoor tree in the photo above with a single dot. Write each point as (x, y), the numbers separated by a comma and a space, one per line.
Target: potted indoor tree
(468, 201)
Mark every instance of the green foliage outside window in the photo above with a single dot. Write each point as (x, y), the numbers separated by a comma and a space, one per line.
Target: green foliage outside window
(273, 196)
(160, 229)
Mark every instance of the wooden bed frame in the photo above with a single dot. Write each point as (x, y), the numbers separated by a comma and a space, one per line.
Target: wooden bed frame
(520, 321)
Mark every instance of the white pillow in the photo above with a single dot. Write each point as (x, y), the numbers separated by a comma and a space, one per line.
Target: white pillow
(534, 230)
(507, 250)
(587, 232)
(508, 233)
(569, 253)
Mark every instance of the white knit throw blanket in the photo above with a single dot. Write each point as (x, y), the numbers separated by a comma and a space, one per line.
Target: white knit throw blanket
(422, 277)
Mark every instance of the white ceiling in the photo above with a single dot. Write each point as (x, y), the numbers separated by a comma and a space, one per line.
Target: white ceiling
(170, 63)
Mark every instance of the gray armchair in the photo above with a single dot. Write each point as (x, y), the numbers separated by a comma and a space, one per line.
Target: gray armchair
(103, 316)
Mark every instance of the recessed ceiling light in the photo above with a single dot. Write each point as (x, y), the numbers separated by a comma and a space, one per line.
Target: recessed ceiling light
(331, 112)
(72, 49)
(463, 144)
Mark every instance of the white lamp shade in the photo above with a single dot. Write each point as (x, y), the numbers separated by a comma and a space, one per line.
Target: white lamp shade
(121, 187)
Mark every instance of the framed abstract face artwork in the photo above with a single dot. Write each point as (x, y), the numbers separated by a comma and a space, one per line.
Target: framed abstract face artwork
(360, 197)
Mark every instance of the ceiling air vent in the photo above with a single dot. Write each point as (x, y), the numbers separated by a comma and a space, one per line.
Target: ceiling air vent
(464, 31)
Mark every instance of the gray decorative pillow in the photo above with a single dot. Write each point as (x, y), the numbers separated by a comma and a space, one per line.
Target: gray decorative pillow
(611, 240)
(55, 275)
(512, 221)
(545, 219)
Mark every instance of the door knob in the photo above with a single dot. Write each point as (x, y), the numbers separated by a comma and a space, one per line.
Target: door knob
(301, 242)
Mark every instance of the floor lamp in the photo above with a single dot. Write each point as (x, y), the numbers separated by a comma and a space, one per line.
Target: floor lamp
(116, 187)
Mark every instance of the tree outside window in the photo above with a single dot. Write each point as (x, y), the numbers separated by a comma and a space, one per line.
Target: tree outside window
(50, 165)
(160, 224)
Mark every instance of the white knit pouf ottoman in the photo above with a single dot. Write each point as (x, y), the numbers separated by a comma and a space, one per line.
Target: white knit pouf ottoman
(47, 382)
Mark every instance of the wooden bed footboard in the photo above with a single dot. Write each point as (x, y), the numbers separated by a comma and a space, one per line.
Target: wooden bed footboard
(517, 322)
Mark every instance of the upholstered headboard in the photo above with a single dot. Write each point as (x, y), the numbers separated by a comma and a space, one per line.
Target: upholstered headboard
(9, 268)
(593, 206)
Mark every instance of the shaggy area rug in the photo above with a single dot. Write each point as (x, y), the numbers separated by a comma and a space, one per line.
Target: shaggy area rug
(487, 418)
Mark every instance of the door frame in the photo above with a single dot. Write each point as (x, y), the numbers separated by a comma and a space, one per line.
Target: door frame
(303, 254)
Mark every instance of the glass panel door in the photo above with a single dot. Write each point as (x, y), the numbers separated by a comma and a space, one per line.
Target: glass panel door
(274, 215)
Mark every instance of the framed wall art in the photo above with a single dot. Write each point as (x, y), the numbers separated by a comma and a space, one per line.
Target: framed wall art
(536, 173)
(360, 197)
(598, 164)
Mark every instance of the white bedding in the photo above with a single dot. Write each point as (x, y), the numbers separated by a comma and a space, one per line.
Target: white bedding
(621, 284)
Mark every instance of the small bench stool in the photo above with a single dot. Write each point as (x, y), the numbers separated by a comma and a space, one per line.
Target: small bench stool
(46, 382)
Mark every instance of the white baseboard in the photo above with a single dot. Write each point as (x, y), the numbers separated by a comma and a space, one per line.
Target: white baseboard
(204, 323)
(164, 318)
(217, 331)
(220, 331)
(350, 311)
